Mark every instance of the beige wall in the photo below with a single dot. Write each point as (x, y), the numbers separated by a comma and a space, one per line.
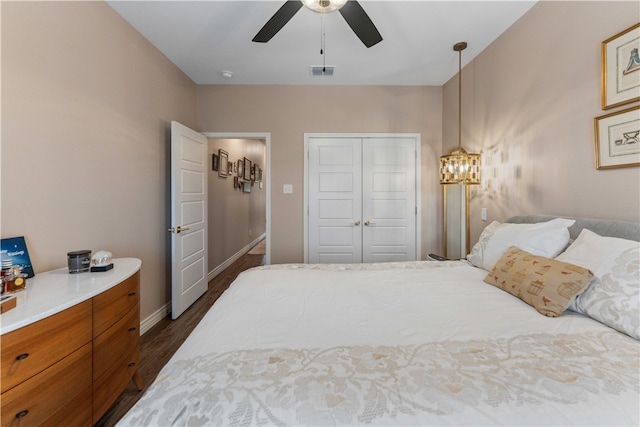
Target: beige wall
(288, 112)
(86, 109)
(235, 218)
(529, 101)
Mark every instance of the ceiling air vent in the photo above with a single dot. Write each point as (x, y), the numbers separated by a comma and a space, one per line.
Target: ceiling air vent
(319, 70)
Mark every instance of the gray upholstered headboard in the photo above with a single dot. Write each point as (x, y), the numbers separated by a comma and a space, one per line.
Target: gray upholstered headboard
(604, 227)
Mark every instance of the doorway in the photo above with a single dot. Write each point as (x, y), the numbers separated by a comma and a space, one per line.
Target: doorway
(193, 165)
(362, 198)
(239, 194)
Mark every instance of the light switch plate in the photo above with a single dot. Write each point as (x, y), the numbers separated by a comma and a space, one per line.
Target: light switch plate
(287, 189)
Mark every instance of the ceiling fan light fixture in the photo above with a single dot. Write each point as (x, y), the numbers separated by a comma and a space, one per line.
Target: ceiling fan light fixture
(324, 6)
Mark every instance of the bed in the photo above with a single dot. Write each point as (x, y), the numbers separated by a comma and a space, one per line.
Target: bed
(422, 343)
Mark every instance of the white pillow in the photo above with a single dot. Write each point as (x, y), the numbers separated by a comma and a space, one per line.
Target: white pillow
(613, 297)
(546, 239)
(476, 257)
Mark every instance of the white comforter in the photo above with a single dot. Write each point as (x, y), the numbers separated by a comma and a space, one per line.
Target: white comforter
(419, 343)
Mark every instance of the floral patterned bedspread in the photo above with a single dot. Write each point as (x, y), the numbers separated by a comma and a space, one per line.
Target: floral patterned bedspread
(590, 377)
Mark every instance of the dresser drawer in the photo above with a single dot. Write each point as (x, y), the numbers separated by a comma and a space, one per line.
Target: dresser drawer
(110, 306)
(112, 345)
(109, 385)
(48, 397)
(33, 348)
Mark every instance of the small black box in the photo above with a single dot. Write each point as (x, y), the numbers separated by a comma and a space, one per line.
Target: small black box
(97, 268)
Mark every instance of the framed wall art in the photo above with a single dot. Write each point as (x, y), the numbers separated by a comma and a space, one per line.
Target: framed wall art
(215, 162)
(224, 163)
(240, 168)
(247, 170)
(618, 139)
(621, 68)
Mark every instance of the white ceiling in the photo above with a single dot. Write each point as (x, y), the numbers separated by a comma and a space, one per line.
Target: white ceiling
(204, 38)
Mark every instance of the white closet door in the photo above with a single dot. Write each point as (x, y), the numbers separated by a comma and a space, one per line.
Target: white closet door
(361, 195)
(335, 194)
(389, 199)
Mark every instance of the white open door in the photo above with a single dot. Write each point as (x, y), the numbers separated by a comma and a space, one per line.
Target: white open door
(188, 217)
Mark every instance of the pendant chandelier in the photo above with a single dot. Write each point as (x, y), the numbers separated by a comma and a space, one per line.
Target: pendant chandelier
(458, 166)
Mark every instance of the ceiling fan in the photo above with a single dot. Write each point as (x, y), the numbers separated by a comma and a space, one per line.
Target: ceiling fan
(350, 10)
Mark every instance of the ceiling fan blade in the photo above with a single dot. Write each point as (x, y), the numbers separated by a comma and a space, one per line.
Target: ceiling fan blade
(360, 23)
(278, 20)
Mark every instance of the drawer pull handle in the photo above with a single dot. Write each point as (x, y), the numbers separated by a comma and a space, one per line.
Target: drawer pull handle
(22, 356)
(132, 294)
(22, 414)
(131, 329)
(132, 364)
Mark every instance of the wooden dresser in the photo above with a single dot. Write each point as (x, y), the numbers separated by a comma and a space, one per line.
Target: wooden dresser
(71, 346)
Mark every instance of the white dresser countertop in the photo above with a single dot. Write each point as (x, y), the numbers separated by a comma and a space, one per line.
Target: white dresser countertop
(56, 290)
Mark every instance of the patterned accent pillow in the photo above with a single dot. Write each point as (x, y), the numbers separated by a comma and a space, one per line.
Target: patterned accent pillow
(546, 239)
(613, 297)
(546, 284)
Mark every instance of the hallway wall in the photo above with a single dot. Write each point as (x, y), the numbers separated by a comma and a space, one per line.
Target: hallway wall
(236, 218)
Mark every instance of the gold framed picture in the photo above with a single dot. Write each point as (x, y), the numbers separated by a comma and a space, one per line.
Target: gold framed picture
(223, 156)
(618, 139)
(621, 68)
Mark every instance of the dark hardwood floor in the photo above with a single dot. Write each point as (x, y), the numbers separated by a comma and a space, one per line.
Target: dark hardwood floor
(159, 343)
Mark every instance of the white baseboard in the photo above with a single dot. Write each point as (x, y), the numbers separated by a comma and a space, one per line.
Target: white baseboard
(162, 312)
(156, 317)
(213, 273)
